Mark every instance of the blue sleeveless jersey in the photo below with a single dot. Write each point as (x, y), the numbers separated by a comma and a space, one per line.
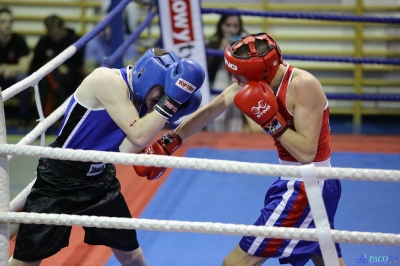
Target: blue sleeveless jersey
(91, 129)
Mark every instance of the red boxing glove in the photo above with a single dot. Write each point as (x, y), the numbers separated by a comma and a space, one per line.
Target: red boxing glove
(257, 101)
(166, 145)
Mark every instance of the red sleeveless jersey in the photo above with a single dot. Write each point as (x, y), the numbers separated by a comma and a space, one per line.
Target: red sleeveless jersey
(323, 151)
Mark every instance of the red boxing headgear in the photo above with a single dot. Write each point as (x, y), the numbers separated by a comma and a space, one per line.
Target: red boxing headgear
(254, 67)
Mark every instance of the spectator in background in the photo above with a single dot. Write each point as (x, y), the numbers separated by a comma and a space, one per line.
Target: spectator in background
(229, 29)
(98, 50)
(58, 85)
(14, 63)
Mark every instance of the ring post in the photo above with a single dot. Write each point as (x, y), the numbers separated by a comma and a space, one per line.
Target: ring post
(4, 191)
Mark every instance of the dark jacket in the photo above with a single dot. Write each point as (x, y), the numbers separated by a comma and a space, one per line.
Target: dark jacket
(46, 50)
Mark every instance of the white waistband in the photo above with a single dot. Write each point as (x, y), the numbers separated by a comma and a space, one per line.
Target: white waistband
(326, 163)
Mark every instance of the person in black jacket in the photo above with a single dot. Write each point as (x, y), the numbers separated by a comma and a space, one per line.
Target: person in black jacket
(14, 63)
(58, 85)
(229, 28)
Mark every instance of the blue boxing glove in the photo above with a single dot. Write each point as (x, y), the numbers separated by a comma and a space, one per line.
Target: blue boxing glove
(182, 80)
(188, 107)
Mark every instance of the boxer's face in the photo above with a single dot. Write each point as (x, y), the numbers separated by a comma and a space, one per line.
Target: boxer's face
(240, 79)
(154, 96)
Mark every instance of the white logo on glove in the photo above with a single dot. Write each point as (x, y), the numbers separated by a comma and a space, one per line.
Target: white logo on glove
(261, 109)
(185, 85)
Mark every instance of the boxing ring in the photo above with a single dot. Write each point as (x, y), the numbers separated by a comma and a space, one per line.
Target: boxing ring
(310, 173)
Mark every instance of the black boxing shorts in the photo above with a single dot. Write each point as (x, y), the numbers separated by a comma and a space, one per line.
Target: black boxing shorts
(64, 187)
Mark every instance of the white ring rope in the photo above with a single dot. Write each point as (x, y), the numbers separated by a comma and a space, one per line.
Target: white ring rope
(40, 112)
(43, 125)
(199, 164)
(198, 227)
(19, 201)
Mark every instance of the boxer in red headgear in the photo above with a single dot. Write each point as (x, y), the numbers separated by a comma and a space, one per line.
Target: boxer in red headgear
(290, 105)
(259, 65)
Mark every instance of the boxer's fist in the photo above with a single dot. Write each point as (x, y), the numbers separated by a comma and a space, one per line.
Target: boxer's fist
(182, 80)
(257, 101)
(166, 145)
(188, 107)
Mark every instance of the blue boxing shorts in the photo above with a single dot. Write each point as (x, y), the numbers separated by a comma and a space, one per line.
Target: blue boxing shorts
(286, 205)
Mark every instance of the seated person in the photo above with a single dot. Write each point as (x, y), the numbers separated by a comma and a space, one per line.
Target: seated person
(228, 29)
(58, 85)
(14, 63)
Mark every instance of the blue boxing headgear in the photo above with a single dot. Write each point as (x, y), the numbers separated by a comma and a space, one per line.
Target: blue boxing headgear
(149, 71)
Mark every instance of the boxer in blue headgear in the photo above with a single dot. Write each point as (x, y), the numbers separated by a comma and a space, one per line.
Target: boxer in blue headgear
(149, 71)
(104, 115)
